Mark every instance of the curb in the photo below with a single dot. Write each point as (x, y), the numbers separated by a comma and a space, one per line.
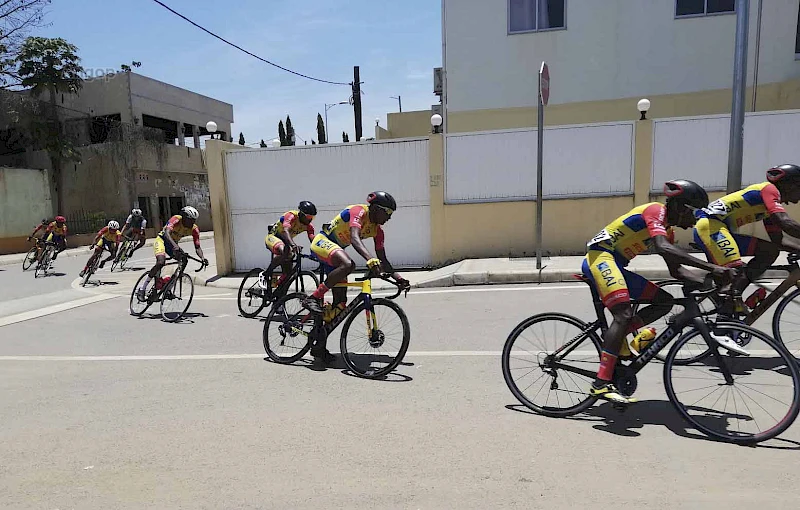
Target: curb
(79, 251)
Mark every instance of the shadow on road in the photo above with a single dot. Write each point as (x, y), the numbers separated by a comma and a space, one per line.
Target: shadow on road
(186, 319)
(339, 364)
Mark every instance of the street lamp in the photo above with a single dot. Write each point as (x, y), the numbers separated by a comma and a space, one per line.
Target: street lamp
(211, 127)
(275, 143)
(436, 122)
(643, 105)
(377, 121)
(328, 107)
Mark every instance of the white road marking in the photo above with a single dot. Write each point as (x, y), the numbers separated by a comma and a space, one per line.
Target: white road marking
(48, 310)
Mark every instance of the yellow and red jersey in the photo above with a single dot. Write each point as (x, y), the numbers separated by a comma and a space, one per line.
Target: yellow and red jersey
(55, 229)
(354, 216)
(109, 234)
(291, 224)
(754, 203)
(178, 231)
(633, 232)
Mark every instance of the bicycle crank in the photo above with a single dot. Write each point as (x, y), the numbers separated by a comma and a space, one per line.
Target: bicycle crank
(625, 380)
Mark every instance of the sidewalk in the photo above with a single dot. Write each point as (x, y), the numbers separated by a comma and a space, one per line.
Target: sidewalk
(501, 271)
(81, 251)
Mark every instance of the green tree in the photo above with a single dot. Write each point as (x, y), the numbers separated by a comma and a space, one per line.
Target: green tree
(262, 144)
(127, 68)
(321, 130)
(17, 19)
(282, 134)
(52, 66)
(345, 138)
(241, 138)
(289, 132)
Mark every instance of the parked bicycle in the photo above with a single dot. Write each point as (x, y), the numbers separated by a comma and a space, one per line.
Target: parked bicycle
(174, 292)
(124, 253)
(550, 360)
(45, 259)
(254, 295)
(371, 350)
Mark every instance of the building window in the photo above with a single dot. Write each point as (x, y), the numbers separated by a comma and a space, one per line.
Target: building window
(534, 15)
(703, 7)
(797, 38)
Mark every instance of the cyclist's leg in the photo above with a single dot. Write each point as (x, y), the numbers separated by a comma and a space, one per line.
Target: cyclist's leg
(141, 238)
(659, 301)
(275, 245)
(283, 256)
(112, 252)
(605, 274)
(764, 255)
(61, 245)
(160, 250)
(334, 256)
(98, 249)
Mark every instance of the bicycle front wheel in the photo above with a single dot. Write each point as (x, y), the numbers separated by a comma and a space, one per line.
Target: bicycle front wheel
(30, 258)
(90, 271)
(252, 297)
(119, 257)
(738, 399)
(550, 383)
(374, 349)
(138, 307)
(288, 329)
(786, 323)
(44, 263)
(177, 297)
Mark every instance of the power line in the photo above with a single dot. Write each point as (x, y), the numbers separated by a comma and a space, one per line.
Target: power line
(244, 50)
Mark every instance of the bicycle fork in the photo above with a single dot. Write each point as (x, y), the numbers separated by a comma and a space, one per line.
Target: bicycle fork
(710, 338)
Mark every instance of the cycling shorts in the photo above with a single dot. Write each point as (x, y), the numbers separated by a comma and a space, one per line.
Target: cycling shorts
(324, 248)
(161, 247)
(56, 238)
(274, 244)
(104, 243)
(614, 283)
(721, 246)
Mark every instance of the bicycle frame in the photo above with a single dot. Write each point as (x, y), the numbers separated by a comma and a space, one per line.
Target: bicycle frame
(365, 296)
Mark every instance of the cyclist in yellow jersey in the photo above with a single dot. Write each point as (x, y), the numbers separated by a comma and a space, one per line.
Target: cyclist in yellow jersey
(350, 226)
(646, 226)
(166, 244)
(280, 240)
(716, 226)
(106, 239)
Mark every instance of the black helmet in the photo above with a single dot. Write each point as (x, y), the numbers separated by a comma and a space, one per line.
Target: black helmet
(382, 199)
(685, 192)
(308, 208)
(784, 173)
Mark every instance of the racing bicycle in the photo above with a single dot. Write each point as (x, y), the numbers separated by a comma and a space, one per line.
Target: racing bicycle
(45, 259)
(174, 292)
(253, 296)
(124, 253)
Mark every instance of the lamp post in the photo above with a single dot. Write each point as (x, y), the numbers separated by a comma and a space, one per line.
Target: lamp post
(275, 143)
(399, 102)
(643, 106)
(436, 122)
(211, 127)
(328, 107)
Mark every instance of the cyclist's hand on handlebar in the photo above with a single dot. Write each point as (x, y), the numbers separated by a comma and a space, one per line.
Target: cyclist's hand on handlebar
(374, 263)
(205, 262)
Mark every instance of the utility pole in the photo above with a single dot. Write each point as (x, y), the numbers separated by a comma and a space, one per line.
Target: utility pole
(399, 103)
(736, 141)
(357, 101)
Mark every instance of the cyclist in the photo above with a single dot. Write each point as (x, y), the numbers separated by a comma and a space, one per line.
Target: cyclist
(136, 223)
(43, 227)
(350, 226)
(280, 239)
(106, 239)
(646, 226)
(716, 226)
(55, 232)
(166, 244)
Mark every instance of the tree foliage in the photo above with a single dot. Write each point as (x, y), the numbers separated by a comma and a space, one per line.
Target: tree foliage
(282, 134)
(17, 19)
(321, 130)
(290, 138)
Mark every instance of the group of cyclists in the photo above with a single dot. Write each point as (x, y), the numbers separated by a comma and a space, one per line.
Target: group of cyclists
(715, 225)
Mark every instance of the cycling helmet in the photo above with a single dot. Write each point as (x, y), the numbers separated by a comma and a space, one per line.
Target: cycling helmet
(687, 193)
(382, 199)
(136, 212)
(190, 212)
(308, 208)
(60, 219)
(113, 225)
(784, 173)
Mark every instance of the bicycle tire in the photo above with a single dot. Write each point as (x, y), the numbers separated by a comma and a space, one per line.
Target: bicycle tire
(351, 358)
(29, 259)
(135, 300)
(176, 288)
(548, 410)
(44, 263)
(311, 275)
(781, 334)
(90, 271)
(297, 318)
(252, 311)
(119, 255)
(755, 367)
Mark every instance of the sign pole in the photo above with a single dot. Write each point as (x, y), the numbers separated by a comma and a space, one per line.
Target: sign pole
(544, 95)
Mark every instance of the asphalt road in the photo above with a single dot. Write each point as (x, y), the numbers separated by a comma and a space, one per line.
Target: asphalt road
(103, 410)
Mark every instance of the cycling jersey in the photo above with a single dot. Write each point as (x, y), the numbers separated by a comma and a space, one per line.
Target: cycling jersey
(179, 231)
(109, 235)
(55, 229)
(136, 222)
(633, 233)
(354, 216)
(754, 203)
(291, 224)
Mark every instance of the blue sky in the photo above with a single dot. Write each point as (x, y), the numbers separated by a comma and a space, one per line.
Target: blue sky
(396, 44)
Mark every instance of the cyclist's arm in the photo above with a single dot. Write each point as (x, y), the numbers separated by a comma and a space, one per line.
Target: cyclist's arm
(287, 227)
(786, 224)
(310, 231)
(196, 239)
(99, 234)
(676, 256)
(358, 243)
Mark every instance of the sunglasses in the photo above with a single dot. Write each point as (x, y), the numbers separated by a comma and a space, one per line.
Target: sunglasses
(386, 210)
(308, 217)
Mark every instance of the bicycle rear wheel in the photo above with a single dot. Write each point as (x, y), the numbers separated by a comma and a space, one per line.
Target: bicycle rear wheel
(786, 323)
(288, 329)
(761, 399)
(30, 258)
(90, 271)
(44, 262)
(251, 298)
(376, 348)
(137, 307)
(552, 384)
(121, 251)
(177, 297)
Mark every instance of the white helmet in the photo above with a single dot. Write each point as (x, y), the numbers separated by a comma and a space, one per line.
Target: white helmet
(113, 225)
(136, 212)
(190, 212)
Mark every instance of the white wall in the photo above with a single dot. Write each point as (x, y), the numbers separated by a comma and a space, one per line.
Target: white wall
(697, 148)
(264, 183)
(24, 200)
(610, 49)
(592, 160)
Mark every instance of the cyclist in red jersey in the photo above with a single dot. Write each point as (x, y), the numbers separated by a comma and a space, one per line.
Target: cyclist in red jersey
(280, 240)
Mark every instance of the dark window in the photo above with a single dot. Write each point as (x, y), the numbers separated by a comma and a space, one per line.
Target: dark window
(144, 205)
(703, 7)
(797, 38)
(532, 15)
(175, 205)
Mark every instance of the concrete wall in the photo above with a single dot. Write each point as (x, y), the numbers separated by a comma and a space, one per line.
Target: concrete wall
(102, 96)
(609, 50)
(24, 201)
(408, 124)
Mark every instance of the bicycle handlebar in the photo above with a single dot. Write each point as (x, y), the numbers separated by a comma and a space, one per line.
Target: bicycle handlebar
(402, 285)
(203, 265)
